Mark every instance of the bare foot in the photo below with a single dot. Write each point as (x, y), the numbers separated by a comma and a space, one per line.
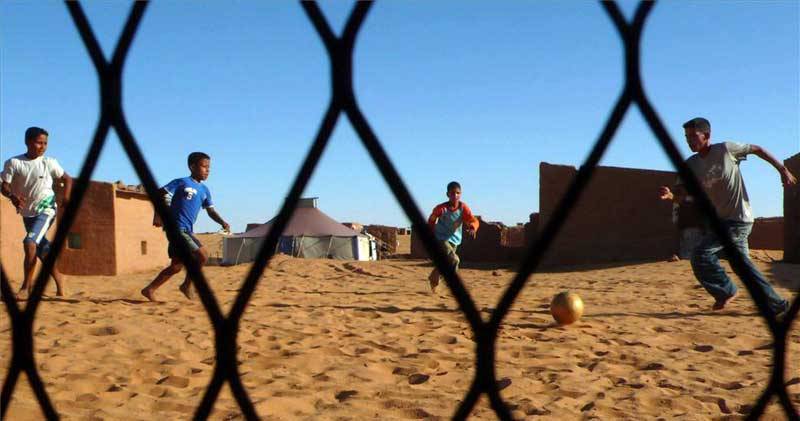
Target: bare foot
(148, 294)
(674, 258)
(61, 293)
(23, 295)
(720, 304)
(186, 289)
(433, 280)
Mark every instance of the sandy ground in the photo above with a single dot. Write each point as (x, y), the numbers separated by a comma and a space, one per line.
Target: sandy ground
(213, 244)
(325, 339)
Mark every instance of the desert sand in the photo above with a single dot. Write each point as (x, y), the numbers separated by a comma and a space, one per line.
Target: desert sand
(325, 339)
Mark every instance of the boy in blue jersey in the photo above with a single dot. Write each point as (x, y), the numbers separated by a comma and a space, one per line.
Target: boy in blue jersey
(186, 196)
(446, 221)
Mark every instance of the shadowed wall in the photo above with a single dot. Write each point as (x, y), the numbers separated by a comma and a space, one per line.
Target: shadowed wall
(791, 214)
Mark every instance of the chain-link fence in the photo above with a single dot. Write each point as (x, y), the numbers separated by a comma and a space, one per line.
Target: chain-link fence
(343, 101)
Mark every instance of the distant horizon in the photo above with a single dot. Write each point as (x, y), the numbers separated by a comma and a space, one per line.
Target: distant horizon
(409, 225)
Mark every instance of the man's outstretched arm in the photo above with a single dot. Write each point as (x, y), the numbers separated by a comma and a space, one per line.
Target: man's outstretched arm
(787, 178)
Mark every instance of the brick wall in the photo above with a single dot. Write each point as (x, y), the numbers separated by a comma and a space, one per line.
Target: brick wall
(94, 225)
(767, 234)
(619, 216)
(139, 245)
(491, 244)
(387, 236)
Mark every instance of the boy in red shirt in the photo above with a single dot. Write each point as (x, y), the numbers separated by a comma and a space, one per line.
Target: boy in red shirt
(446, 221)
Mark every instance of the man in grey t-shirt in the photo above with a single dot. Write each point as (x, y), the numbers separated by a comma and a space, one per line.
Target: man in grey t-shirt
(717, 169)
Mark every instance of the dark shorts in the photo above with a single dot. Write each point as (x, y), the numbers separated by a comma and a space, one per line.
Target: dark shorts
(191, 241)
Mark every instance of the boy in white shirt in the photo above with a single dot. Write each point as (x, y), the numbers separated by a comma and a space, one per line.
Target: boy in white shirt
(27, 180)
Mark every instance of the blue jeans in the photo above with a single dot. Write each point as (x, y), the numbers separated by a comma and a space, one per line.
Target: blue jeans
(707, 269)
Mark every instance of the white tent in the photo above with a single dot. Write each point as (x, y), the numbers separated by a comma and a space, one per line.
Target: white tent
(310, 233)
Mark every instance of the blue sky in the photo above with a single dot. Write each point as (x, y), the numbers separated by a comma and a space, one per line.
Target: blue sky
(479, 92)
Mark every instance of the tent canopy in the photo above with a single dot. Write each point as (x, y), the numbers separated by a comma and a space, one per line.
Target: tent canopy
(305, 222)
(309, 233)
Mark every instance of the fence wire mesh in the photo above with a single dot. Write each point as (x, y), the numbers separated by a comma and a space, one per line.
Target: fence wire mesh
(343, 101)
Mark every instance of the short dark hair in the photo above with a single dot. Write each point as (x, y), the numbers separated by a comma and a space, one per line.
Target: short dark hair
(196, 157)
(34, 132)
(453, 185)
(698, 123)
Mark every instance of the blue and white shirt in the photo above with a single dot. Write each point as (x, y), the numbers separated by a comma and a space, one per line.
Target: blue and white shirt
(186, 197)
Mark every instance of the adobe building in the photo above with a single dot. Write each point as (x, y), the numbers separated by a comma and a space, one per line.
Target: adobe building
(618, 217)
(494, 242)
(791, 214)
(112, 235)
(387, 237)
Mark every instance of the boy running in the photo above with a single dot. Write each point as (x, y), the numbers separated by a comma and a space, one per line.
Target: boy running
(28, 182)
(185, 197)
(446, 221)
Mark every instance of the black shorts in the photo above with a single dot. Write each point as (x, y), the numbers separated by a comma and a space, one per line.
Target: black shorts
(191, 241)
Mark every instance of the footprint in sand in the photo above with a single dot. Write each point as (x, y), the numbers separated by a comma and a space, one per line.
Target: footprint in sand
(344, 395)
(321, 377)
(418, 378)
(419, 414)
(86, 397)
(104, 331)
(174, 381)
(403, 371)
(653, 366)
(703, 348)
(447, 339)
(114, 388)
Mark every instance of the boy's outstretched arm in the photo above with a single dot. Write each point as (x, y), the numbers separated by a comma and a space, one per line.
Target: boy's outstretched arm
(7, 176)
(470, 220)
(218, 219)
(67, 180)
(435, 214)
(787, 178)
(16, 201)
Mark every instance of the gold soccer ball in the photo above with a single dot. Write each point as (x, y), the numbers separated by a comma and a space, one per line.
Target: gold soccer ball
(566, 308)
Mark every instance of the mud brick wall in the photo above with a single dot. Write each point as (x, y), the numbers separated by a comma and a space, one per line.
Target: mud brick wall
(618, 218)
(531, 229)
(252, 226)
(139, 245)
(489, 245)
(516, 236)
(94, 224)
(791, 214)
(767, 234)
(387, 235)
(112, 225)
(355, 226)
